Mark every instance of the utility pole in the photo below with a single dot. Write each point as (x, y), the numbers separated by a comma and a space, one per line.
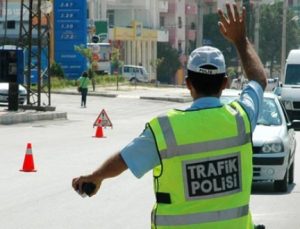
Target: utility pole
(33, 33)
(283, 37)
(199, 41)
(247, 5)
(256, 26)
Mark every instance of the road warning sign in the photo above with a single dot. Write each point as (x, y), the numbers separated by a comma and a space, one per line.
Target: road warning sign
(212, 177)
(103, 120)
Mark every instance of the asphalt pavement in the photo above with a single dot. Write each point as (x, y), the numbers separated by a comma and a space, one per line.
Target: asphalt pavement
(165, 93)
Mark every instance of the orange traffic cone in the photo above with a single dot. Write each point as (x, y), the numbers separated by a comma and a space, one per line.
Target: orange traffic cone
(28, 164)
(99, 131)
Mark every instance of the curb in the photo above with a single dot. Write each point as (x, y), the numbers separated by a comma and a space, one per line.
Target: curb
(13, 118)
(89, 94)
(170, 99)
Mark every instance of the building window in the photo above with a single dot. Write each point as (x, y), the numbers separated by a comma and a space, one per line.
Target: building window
(10, 24)
(111, 18)
(193, 26)
(179, 47)
(179, 22)
(162, 21)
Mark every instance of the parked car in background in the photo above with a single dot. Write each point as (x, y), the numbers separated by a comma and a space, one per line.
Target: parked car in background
(274, 142)
(277, 91)
(135, 73)
(272, 83)
(4, 93)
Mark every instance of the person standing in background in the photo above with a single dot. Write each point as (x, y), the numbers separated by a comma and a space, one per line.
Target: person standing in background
(84, 82)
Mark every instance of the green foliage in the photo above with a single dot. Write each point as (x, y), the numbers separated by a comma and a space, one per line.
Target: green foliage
(108, 79)
(87, 53)
(58, 83)
(57, 71)
(116, 59)
(156, 63)
(270, 33)
(213, 37)
(84, 51)
(231, 72)
(170, 62)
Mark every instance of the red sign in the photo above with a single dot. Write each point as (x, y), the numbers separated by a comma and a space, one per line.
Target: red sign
(103, 120)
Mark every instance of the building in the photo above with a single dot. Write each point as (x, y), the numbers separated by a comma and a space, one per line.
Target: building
(133, 28)
(10, 29)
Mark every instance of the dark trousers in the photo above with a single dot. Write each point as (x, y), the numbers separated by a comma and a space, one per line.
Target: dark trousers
(84, 92)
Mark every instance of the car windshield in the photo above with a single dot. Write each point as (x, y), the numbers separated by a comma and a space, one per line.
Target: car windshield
(269, 115)
(292, 74)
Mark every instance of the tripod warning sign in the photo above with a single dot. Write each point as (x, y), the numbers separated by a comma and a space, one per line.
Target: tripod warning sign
(103, 120)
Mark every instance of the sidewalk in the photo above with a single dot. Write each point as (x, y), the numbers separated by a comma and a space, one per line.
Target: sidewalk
(171, 93)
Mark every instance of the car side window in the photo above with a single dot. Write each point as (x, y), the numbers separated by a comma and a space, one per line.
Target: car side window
(126, 69)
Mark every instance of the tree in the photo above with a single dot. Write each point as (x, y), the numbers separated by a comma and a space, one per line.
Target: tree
(155, 63)
(87, 53)
(213, 37)
(57, 71)
(270, 34)
(170, 62)
(116, 63)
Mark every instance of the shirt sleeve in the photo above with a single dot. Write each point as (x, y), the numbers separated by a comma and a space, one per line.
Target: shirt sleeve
(141, 155)
(251, 100)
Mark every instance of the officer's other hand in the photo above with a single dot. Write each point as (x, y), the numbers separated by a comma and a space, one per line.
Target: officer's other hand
(232, 25)
(77, 184)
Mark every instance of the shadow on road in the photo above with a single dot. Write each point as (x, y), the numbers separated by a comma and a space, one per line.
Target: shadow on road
(267, 188)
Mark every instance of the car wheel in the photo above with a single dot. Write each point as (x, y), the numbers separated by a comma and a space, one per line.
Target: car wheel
(133, 81)
(291, 174)
(282, 185)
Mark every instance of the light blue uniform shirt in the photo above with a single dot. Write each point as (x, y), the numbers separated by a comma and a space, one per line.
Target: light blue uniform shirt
(141, 154)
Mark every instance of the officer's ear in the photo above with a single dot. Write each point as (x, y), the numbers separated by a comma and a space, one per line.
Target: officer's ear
(188, 83)
(224, 83)
(190, 87)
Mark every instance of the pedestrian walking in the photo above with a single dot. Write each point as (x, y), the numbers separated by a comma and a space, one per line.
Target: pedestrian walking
(201, 157)
(83, 87)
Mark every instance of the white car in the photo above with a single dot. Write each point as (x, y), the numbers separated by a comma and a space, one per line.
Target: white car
(4, 93)
(274, 142)
(135, 73)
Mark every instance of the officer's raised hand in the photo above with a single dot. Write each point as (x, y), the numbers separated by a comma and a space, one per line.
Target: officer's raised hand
(232, 25)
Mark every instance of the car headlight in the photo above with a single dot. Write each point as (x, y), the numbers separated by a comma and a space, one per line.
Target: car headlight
(288, 105)
(272, 148)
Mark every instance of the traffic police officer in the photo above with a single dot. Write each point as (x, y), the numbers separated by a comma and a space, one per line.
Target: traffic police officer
(201, 157)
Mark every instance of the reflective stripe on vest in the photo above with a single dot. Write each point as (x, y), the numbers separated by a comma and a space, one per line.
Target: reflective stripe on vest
(177, 220)
(174, 150)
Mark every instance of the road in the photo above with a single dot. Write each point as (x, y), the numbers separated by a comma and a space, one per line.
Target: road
(66, 148)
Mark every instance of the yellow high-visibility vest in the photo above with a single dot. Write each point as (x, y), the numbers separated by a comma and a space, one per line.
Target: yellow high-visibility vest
(205, 176)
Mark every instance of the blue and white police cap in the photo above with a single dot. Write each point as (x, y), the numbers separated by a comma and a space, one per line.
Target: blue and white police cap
(205, 56)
